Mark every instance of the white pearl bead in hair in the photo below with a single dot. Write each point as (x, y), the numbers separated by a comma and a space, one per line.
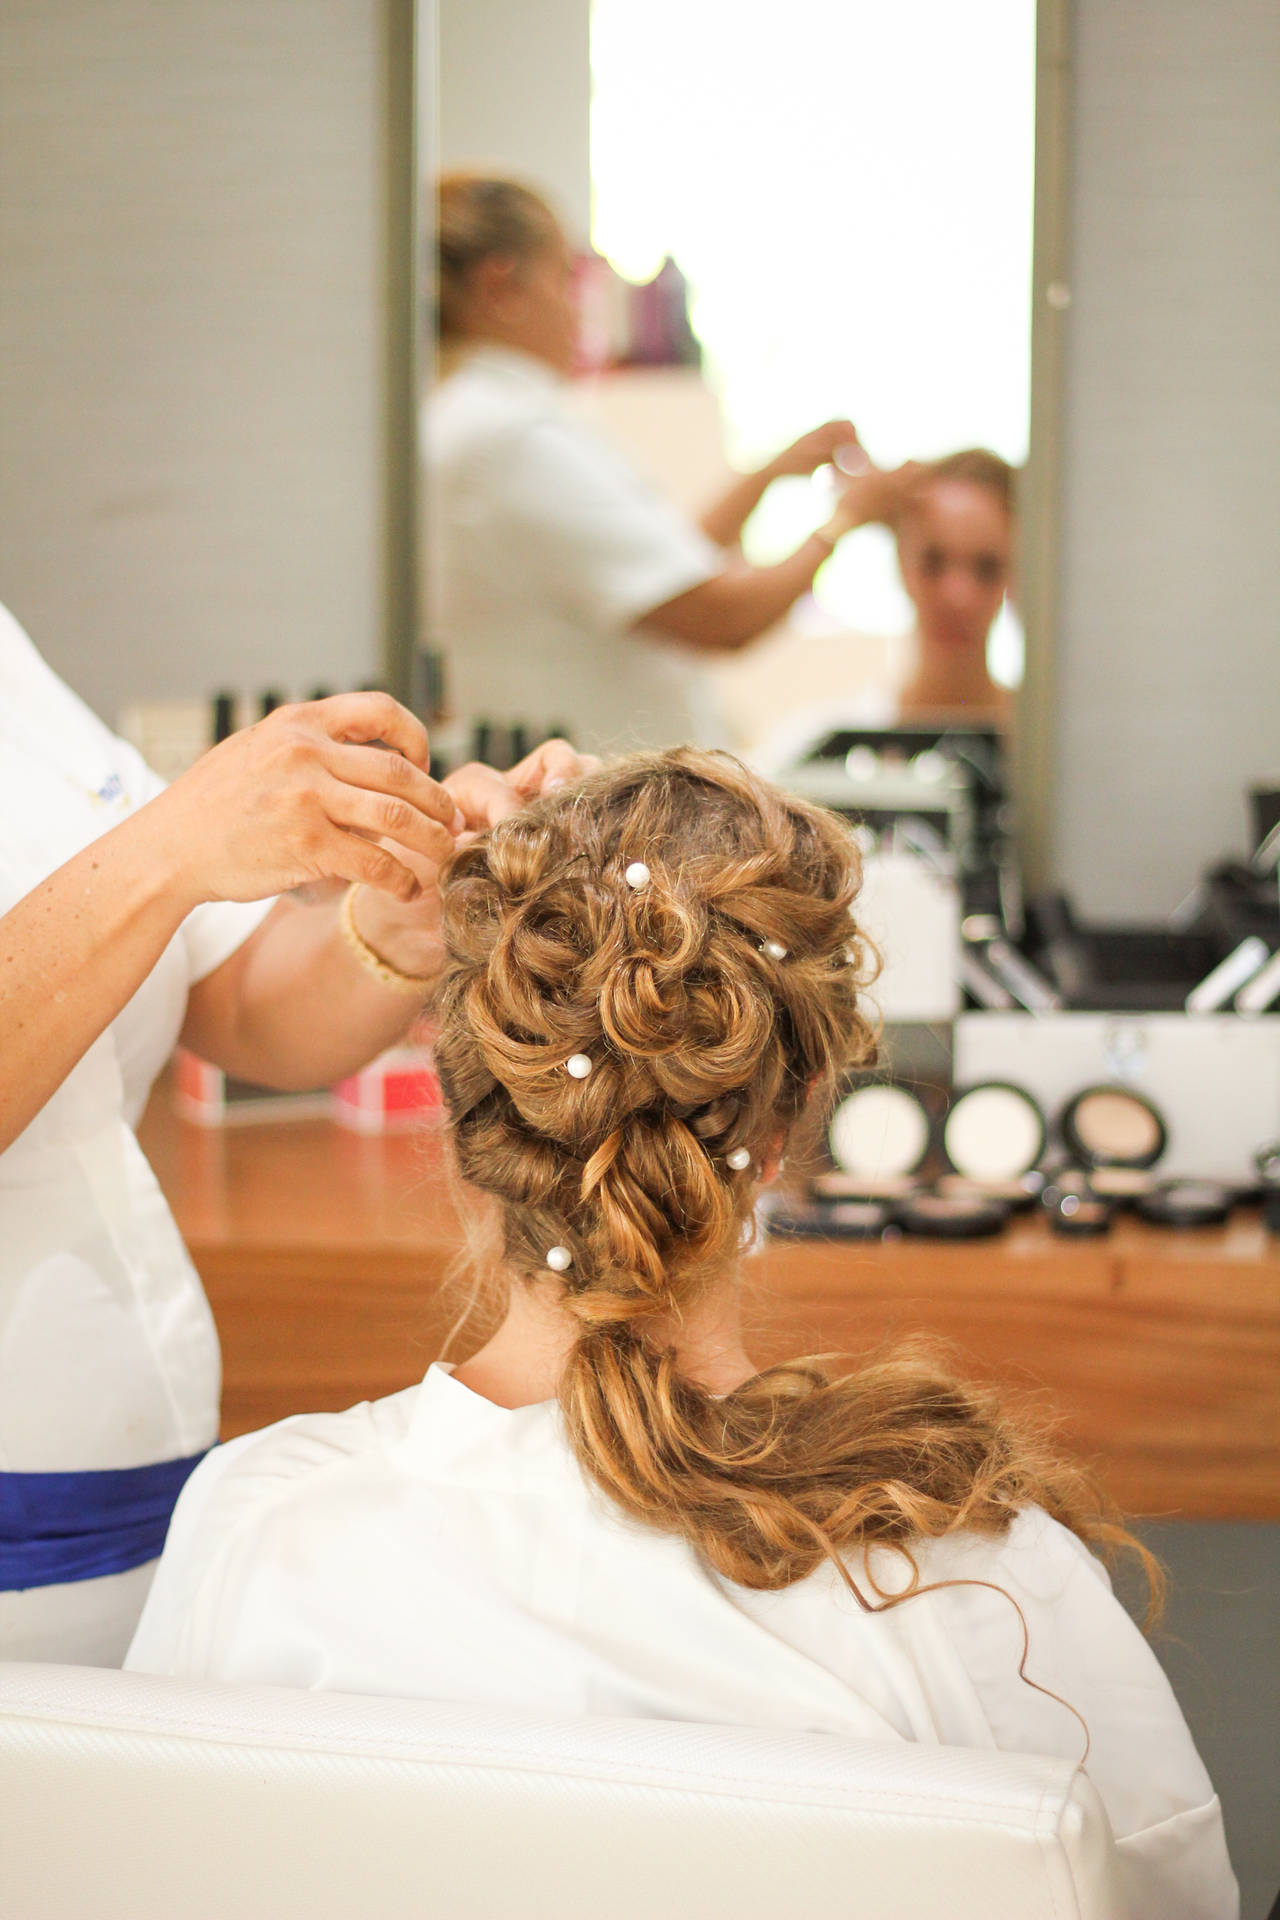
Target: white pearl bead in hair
(578, 1066)
(637, 875)
(739, 1159)
(774, 949)
(559, 1259)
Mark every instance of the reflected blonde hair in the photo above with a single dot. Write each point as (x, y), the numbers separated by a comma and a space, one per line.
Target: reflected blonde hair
(702, 1042)
(482, 217)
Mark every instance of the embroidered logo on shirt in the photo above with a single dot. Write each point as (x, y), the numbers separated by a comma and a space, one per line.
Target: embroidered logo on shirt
(111, 793)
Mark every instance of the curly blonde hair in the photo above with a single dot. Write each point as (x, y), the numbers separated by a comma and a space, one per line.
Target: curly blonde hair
(714, 1002)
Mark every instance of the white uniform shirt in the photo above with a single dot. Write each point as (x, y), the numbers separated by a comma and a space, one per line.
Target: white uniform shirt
(546, 548)
(433, 1544)
(108, 1355)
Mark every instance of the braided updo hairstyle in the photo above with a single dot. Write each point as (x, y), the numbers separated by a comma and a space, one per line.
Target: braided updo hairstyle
(713, 1002)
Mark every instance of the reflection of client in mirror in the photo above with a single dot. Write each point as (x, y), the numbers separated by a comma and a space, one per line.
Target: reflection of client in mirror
(559, 578)
(954, 523)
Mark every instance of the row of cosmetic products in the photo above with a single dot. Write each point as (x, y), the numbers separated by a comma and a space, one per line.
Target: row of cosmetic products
(989, 1151)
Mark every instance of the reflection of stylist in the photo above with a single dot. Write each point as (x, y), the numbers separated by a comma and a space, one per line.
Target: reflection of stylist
(561, 579)
(121, 928)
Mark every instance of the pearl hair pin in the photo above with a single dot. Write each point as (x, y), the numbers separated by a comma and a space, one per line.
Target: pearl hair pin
(774, 949)
(559, 1259)
(578, 1066)
(739, 1159)
(637, 875)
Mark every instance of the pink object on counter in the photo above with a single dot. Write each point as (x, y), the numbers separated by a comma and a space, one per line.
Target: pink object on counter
(398, 1090)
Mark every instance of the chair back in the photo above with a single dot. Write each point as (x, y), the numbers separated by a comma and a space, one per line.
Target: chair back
(129, 1797)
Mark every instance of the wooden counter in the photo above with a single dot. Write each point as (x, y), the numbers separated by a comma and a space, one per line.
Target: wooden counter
(325, 1256)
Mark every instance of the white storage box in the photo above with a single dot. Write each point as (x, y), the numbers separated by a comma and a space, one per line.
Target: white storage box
(913, 916)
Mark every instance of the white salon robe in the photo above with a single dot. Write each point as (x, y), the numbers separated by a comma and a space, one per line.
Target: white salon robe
(108, 1355)
(433, 1544)
(546, 548)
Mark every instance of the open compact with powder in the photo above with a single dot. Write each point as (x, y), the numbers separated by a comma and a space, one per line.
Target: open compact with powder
(1108, 1127)
(832, 1219)
(992, 1138)
(1186, 1203)
(878, 1138)
(1114, 1138)
(950, 1216)
(1075, 1209)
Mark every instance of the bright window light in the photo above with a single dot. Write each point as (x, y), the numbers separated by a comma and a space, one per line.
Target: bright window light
(847, 187)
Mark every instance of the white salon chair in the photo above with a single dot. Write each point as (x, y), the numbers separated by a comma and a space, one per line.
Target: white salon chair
(124, 1797)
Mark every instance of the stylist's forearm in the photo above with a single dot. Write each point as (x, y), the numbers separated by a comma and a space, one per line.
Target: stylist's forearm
(724, 520)
(724, 614)
(295, 1006)
(72, 952)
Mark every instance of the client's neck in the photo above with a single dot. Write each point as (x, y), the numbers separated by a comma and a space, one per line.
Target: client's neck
(524, 1360)
(947, 679)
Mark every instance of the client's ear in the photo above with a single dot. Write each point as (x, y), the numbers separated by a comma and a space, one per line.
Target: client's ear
(771, 1165)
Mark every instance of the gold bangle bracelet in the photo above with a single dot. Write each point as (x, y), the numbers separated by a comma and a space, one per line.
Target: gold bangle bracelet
(372, 962)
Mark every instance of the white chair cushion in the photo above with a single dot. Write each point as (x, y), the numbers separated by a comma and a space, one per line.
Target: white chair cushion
(123, 1795)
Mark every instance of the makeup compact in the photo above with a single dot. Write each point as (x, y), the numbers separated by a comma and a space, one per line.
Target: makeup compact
(941, 1216)
(1016, 1195)
(1267, 1163)
(1111, 1126)
(1078, 1215)
(878, 1137)
(832, 1220)
(1187, 1203)
(992, 1136)
(1124, 1185)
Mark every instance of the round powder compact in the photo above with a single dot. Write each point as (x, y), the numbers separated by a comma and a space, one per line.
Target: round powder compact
(1267, 1161)
(860, 1219)
(1122, 1184)
(1113, 1127)
(831, 1220)
(1186, 1203)
(1017, 1195)
(879, 1133)
(938, 1216)
(854, 1186)
(1080, 1215)
(993, 1133)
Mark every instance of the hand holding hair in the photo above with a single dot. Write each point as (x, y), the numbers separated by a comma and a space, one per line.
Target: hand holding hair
(554, 764)
(814, 449)
(876, 497)
(405, 934)
(304, 796)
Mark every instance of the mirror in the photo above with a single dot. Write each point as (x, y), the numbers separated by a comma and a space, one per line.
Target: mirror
(785, 230)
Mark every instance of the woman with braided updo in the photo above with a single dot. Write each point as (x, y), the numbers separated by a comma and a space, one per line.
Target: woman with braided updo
(607, 1509)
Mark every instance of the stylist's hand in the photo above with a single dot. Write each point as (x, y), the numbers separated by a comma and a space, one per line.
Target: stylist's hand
(878, 495)
(407, 934)
(305, 796)
(815, 449)
(554, 764)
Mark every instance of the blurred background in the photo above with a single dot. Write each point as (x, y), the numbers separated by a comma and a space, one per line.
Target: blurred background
(212, 335)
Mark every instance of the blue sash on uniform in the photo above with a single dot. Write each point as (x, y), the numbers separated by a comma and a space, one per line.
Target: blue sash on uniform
(60, 1527)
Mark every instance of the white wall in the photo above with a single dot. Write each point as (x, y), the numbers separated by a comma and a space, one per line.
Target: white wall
(192, 333)
(515, 95)
(1168, 664)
